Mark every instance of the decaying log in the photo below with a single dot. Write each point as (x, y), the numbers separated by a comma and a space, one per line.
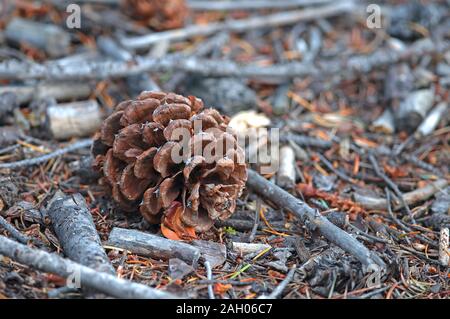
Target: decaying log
(75, 229)
(153, 246)
(286, 171)
(48, 37)
(411, 198)
(313, 218)
(59, 91)
(74, 119)
(88, 277)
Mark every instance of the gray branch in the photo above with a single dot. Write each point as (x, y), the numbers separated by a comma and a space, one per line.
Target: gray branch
(100, 281)
(75, 229)
(308, 215)
(241, 25)
(14, 70)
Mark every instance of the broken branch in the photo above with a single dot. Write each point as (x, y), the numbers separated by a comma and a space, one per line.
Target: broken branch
(307, 214)
(103, 282)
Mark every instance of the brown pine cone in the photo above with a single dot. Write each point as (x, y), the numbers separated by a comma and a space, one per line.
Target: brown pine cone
(158, 14)
(178, 163)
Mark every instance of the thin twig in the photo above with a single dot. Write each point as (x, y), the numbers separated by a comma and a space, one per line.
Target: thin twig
(44, 158)
(250, 4)
(280, 288)
(339, 173)
(209, 276)
(252, 235)
(14, 232)
(379, 172)
(271, 20)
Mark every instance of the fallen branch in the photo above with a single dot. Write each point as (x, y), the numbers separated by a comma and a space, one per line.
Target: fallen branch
(411, 198)
(156, 247)
(271, 20)
(75, 229)
(250, 5)
(302, 140)
(380, 173)
(136, 83)
(17, 235)
(103, 282)
(209, 276)
(44, 158)
(279, 289)
(312, 217)
(74, 119)
(58, 91)
(444, 254)
(14, 70)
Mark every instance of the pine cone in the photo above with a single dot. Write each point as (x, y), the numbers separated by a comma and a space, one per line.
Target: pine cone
(158, 14)
(186, 192)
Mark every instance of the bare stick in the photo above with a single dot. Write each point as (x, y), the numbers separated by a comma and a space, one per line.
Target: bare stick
(380, 173)
(153, 246)
(14, 70)
(384, 123)
(336, 171)
(272, 20)
(280, 288)
(59, 91)
(49, 37)
(444, 254)
(44, 158)
(75, 229)
(411, 198)
(249, 248)
(74, 119)
(303, 140)
(309, 215)
(17, 235)
(286, 172)
(432, 120)
(103, 282)
(209, 276)
(136, 83)
(217, 5)
(250, 5)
